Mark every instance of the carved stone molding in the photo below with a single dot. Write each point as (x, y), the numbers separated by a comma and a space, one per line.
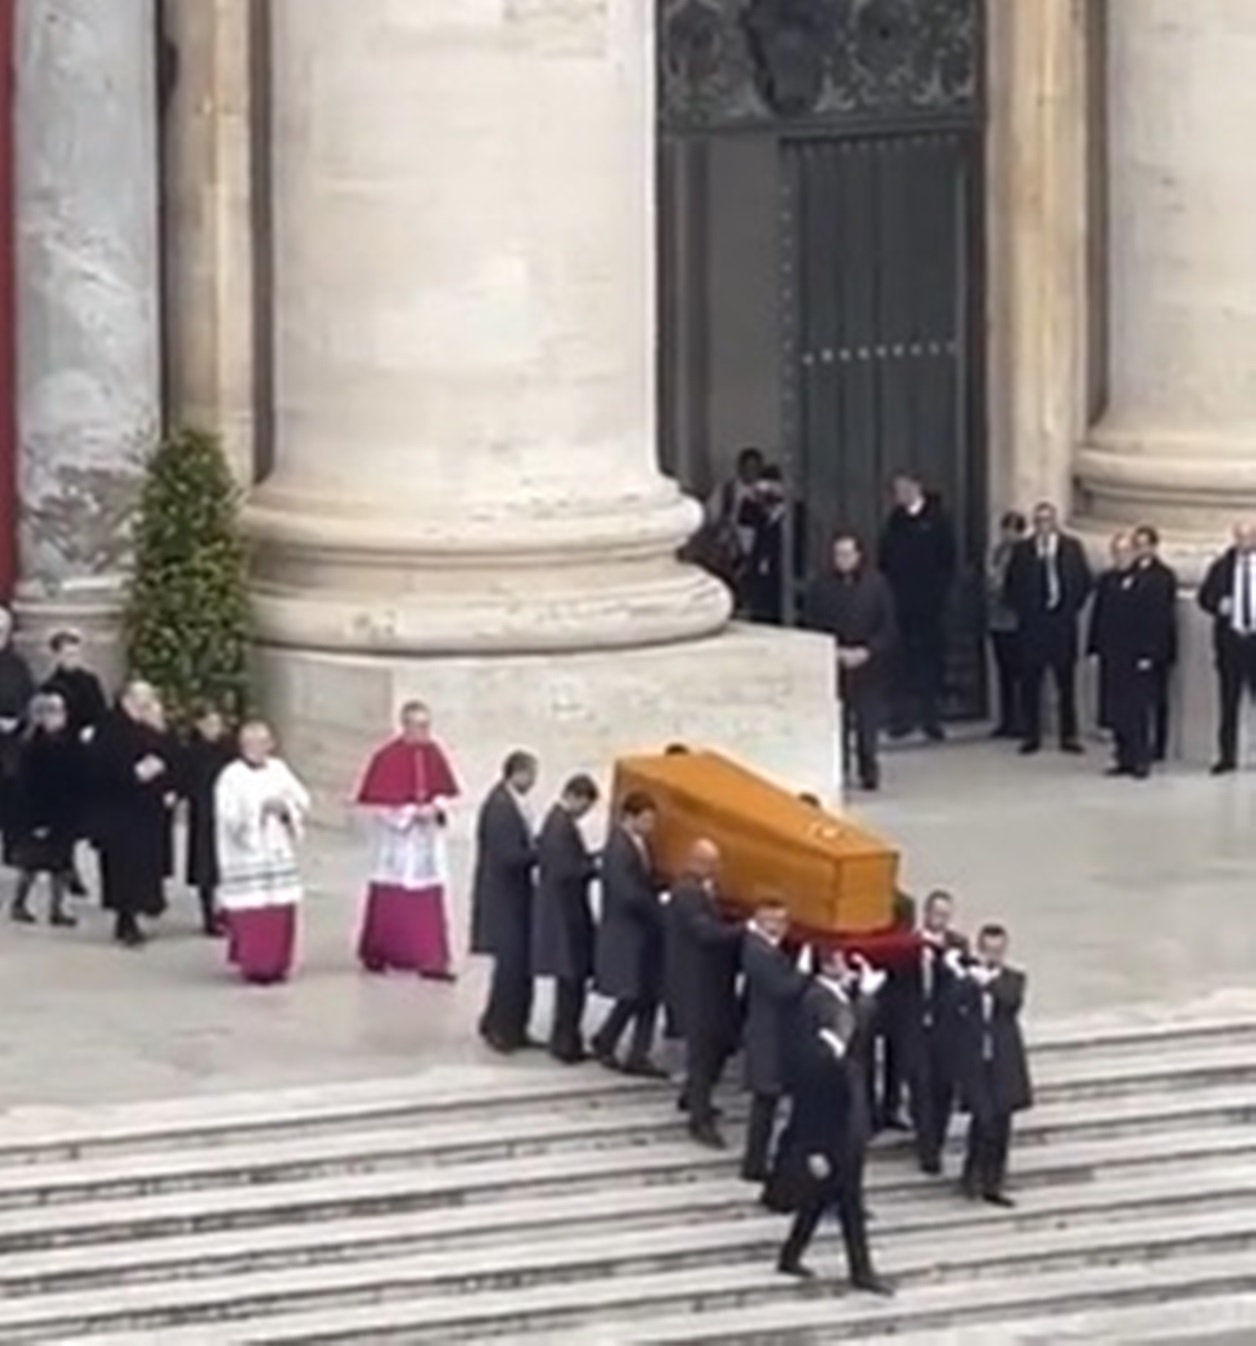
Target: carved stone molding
(730, 64)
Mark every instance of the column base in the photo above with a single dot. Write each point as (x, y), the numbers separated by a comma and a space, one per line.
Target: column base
(763, 695)
(92, 607)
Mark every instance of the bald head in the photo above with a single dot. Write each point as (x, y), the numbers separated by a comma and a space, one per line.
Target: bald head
(1245, 536)
(704, 858)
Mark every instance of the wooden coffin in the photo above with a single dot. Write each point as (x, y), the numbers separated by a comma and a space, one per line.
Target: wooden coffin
(837, 878)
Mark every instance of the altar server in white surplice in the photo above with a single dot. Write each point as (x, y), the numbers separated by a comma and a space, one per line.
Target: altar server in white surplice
(260, 811)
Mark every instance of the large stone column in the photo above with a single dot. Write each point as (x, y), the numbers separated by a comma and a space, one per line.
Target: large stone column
(89, 353)
(1177, 445)
(466, 503)
(209, 222)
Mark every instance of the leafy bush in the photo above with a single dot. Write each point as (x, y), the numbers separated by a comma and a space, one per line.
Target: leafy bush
(187, 616)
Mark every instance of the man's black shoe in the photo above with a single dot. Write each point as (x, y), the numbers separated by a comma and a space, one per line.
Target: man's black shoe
(1224, 769)
(644, 1070)
(708, 1137)
(872, 1284)
(1000, 1199)
(798, 1270)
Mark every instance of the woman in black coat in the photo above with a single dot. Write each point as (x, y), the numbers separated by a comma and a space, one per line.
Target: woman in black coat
(208, 749)
(51, 792)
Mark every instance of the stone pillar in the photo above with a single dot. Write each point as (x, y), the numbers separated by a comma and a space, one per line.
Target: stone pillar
(466, 482)
(1177, 445)
(1038, 227)
(209, 222)
(89, 346)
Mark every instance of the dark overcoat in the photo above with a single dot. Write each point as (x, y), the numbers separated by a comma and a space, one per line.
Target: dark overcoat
(629, 952)
(1047, 634)
(562, 926)
(52, 781)
(132, 817)
(86, 706)
(703, 959)
(201, 762)
(17, 687)
(504, 880)
(854, 1020)
(918, 1004)
(992, 1065)
(774, 986)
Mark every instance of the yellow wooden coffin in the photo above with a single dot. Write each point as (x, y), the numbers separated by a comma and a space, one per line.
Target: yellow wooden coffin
(837, 878)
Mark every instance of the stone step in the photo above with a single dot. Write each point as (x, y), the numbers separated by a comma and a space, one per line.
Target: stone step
(980, 1279)
(1066, 1056)
(1189, 1189)
(557, 1141)
(74, 1211)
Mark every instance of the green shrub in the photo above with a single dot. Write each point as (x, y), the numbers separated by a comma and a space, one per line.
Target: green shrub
(187, 615)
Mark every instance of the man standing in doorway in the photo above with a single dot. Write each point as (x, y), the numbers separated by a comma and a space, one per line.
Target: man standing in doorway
(1228, 596)
(917, 558)
(1048, 583)
(854, 605)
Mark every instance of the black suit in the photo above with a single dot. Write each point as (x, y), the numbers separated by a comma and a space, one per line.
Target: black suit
(703, 957)
(993, 1074)
(562, 927)
(774, 985)
(501, 915)
(1234, 646)
(1047, 594)
(629, 949)
(1133, 630)
(917, 558)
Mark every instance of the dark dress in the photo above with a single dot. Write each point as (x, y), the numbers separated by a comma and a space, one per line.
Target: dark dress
(52, 781)
(17, 688)
(133, 820)
(200, 764)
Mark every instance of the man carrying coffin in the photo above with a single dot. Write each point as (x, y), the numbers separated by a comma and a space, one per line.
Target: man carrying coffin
(260, 810)
(822, 1152)
(407, 790)
(992, 1067)
(501, 903)
(774, 986)
(562, 929)
(703, 957)
(629, 949)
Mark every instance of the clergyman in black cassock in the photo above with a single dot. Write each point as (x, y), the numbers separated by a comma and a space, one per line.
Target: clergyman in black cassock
(629, 947)
(1162, 581)
(134, 777)
(992, 1065)
(562, 928)
(773, 987)
(924, 1018)
(820, 1166)
(1228, 596)
(1103, 636)
(502, 895)
(52, 787)
(207, 750)
(17, 689)
(703, 959)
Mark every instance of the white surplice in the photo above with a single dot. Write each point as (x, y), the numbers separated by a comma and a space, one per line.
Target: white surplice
(257, 852)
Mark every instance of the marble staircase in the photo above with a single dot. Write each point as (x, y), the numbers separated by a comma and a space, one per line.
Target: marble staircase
(522, 1203)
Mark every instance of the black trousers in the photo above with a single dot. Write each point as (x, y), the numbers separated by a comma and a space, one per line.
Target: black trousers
(1005, 647)
(1160, 678)
(861, 728)
(932, 1103)
(643, 1017)
(1063, 670)
(1236, 673)
(985, 1161)
(756, 1161)
(705, 1057)
(1133, 715)
(845, 1199)
(885, 1076)
(509, 1009)
(566, 1039)
(920, 674)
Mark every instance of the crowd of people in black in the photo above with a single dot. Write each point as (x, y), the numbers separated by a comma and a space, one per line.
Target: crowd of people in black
(79, 772)
(839, 1042)
(1045, 609)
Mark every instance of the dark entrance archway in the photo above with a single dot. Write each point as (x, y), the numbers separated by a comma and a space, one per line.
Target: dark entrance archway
(822, 262)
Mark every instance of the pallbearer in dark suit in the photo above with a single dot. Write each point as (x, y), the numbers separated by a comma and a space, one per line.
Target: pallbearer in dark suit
(992, 1066)
(1048, 583)
(774, 986)
(501, 902)
(703, 958)
(1103, 635)
(822, 1153)
(1228, 596)
(562, 928)
(1163, 582)
(629, 948)
(923, 995)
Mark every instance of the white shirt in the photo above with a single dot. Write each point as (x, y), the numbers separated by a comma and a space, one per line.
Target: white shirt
(1243, 599)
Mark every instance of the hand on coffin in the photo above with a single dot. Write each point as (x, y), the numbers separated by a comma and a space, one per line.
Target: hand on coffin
(818, 1167)
(954, 960)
